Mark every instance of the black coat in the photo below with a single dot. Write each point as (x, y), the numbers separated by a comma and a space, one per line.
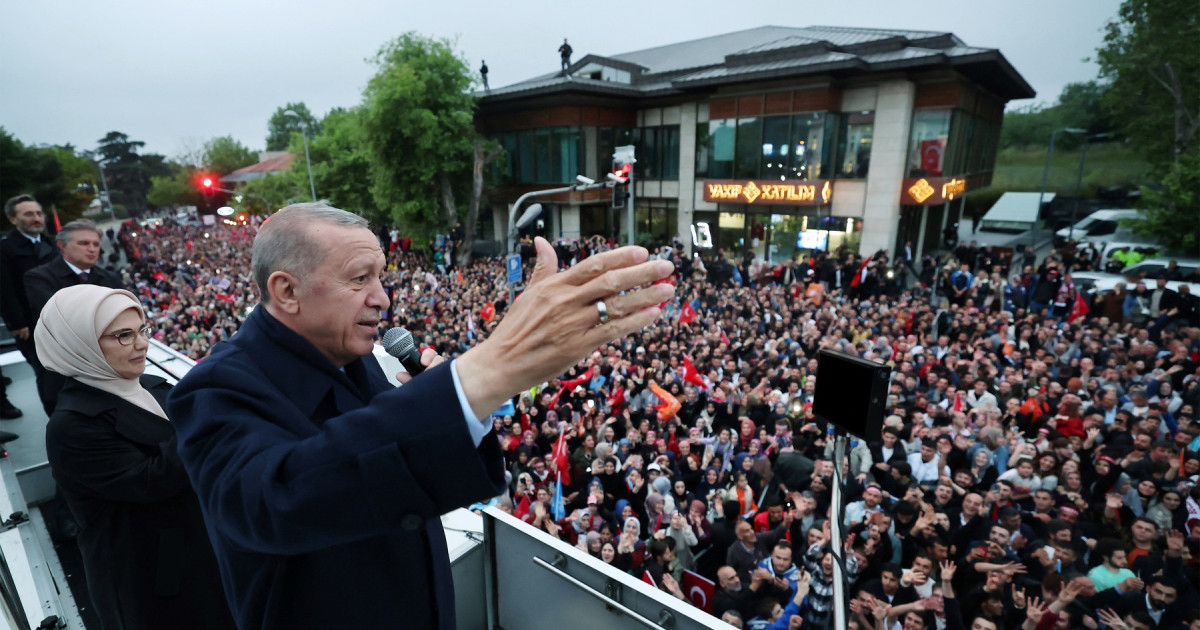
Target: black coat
(146, 553)
(45, 280)
(18, 255)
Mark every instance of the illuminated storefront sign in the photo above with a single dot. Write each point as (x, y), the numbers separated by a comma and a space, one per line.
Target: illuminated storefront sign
(812, 193)
(929, 191)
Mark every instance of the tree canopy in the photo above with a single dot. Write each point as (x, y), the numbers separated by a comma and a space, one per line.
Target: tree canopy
(419, 136)
(282, 125)
(56, 176)
(1150, 61)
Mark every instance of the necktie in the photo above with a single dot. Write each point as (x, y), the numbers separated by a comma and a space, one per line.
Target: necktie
(83, 276)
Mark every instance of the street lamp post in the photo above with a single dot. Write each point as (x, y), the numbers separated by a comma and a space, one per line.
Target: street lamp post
(312, 187)
(112, 213)
(1079, 181)
(1045, 178)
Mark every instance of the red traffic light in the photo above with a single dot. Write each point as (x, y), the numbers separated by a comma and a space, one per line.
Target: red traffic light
(621, 172)
(207, 182)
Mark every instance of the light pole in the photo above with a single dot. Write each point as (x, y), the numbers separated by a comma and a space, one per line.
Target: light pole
(312, 187)
(1079, 181)
(1045, 177)
(112, 213)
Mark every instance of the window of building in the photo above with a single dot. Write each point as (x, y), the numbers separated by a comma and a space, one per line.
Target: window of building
(721, 135)
(549, 155)
(928, 144)
(854, 147)
(654, 221)
(810, 140)
(657, 152)
(791, 146)
(776, 147)
(607, 140)
(748, 152)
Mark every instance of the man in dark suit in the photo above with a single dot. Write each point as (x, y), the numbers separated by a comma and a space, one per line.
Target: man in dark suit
(79, 245)
(22, 249)
(1160, 600)
(321, 484)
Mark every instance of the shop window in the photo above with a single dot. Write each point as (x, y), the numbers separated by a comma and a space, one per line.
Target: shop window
(854, 147)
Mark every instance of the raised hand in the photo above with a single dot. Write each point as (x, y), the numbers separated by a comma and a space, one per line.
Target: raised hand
(948, 569)
(1018, 596)
(1035, 610)
(1111, 619)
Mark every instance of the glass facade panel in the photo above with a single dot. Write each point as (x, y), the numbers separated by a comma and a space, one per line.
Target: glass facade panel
(749, 147)
(854, 147)
(549, 155)
(810, 148)
(669, 152)
(703, 149)
(928, 146)
(721, 134)
(776, 147)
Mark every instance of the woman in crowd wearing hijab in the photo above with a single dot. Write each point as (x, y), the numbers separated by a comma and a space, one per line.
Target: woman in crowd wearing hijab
(146, 554)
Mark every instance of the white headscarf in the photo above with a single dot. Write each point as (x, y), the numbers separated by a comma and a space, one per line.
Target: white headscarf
(68, 340)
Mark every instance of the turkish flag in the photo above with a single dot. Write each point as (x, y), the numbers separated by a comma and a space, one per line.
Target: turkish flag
(724, 338)
(226, 297)
(931, 155)
(488, 312)
(699, 590)
(561, 459)
(1079, 309)
(649, 579)
(691, 374)
(688, 314)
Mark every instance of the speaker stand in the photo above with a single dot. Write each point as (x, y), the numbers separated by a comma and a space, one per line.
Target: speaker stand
(835, 533)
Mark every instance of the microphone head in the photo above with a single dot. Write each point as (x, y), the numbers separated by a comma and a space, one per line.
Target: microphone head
(398, 342)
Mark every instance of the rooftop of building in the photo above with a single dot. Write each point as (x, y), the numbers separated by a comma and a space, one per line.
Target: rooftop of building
(773, 52)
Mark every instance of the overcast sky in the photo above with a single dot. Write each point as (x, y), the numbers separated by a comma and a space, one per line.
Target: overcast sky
(175, 74)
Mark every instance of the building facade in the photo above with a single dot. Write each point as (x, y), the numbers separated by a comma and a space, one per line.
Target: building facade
(776, 139)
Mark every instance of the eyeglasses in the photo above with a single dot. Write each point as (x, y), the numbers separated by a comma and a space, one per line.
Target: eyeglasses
(126, 337)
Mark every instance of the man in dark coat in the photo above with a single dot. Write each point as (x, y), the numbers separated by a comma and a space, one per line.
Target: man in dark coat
(22, 249)
(321, 484)
(79, 244)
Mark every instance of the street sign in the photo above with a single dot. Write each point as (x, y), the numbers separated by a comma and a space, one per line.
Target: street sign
(513, 263)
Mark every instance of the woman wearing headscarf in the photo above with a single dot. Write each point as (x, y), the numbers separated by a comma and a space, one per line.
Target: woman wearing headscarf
(146, 554)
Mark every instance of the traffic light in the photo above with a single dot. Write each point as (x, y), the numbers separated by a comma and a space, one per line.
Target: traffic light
(621, 177)
(208, 184)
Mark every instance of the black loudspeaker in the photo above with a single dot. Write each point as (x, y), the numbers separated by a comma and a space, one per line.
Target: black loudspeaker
(851, 393)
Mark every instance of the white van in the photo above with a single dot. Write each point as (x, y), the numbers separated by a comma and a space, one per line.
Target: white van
(1101, 225)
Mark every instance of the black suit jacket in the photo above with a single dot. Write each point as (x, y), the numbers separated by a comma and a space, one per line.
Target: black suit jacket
(18, 255)
(43, 281)
(146, 554)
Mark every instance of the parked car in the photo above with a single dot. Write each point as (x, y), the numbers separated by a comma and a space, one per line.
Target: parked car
(1152, 267)
(1101, 225)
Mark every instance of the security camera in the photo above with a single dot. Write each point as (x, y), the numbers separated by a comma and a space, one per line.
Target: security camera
(586, 181)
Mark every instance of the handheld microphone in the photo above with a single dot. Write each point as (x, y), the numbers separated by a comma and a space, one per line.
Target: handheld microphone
(399, 343)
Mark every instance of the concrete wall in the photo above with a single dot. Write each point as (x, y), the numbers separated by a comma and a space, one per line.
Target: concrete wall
(889, 153)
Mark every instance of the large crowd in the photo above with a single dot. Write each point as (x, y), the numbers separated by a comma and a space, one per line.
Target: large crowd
(1038, 464)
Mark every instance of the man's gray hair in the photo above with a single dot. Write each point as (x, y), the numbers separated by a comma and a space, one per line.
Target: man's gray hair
(285, 242)
(66, 234)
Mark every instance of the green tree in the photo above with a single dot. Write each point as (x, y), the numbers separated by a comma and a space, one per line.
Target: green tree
(1078, 106)
(341, 165)
(1169, 213)
(58, 177)
(281, 126)
(80, 183)
(224, 155)
(418, 118)
(176, 189)
(1150, 60)
(129, 173)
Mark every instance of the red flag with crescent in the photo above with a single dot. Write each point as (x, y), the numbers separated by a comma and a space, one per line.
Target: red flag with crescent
(698, 590)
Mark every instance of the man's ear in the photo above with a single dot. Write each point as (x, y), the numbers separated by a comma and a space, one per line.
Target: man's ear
(284, 290)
